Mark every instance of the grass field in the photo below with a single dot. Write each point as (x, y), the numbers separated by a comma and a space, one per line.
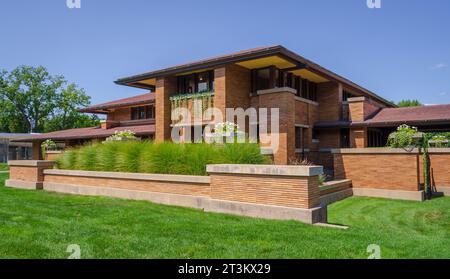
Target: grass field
(4, 167)
(42, 225)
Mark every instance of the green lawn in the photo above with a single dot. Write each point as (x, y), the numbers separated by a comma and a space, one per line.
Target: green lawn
(4, 167)
(42, 225)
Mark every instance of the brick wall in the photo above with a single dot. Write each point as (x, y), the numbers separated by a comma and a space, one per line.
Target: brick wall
(285, 101)
(329, 97)
(391, 169)
(165, 87)
(272, 190)
(121, 114)
(181, 188)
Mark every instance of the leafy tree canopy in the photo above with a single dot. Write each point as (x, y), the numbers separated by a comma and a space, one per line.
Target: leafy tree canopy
(32, 100)
(409, 103)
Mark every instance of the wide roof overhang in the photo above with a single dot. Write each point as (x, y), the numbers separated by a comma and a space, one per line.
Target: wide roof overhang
(255, 58)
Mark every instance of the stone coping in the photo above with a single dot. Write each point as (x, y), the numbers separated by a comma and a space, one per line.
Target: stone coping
(311, 102)
(132, 176)
(31, 163)
(275, 170)
(387, 151)
(335, 183)
(276, 90)
(356, 99)
(288, 90)
(53, 152)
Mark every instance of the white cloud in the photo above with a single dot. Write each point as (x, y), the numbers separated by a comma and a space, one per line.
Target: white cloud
(439, 66)
(442, 93)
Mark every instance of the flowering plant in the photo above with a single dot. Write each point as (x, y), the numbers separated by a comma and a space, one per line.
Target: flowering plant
(404, 137)
(47, 145)
(122, 136)
(227, 130)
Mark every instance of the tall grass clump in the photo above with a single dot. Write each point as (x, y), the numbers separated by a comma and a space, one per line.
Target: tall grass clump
(162, 158)
(68, 160)
(87, 158)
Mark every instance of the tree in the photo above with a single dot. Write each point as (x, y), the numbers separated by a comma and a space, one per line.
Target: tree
(409, 103)
(66, 115)
(39, 102)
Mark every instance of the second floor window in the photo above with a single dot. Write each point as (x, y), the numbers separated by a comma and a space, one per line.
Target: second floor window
(147, 112)
(196, 83)
(271, 77)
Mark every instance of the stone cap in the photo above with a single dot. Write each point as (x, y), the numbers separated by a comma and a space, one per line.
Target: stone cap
(356, 99)
(388, 151)
(276, 170)
(132, 176)
(32, 163)
(277, 90)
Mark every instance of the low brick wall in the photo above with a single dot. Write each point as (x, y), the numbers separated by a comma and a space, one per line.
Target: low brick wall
(396, 173)
(266, 191)
(52, 155)
(27, 174)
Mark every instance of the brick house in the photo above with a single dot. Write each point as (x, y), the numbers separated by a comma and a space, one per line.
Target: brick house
(319, 110)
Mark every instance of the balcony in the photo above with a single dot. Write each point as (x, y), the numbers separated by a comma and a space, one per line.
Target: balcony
(196, 104)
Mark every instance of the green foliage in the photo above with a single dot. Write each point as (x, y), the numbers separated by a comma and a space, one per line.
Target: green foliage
(4, 167)
(32, 100)
(163, 158)
(409, 103)
(121, 135)
(403, 137)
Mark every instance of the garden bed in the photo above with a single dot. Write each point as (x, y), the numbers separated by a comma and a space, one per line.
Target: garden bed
(161, 158)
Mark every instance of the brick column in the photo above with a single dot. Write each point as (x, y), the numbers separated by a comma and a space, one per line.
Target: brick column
(165, 87)
(27, 174)
(268, 191)
(358, 137)
(284, 99)
(36, 153)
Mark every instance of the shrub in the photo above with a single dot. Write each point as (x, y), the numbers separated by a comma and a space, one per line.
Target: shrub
(403, 137)
(164, 158)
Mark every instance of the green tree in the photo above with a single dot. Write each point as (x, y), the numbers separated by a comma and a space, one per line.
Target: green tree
(39, 102)
(409, 103)
(66, 115)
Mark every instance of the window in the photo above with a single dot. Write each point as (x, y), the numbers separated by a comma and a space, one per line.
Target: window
(146, 112)
(298, 137)
(315, 135)
(194, 83)
(263, 80)
(346, 95)
(345, 138)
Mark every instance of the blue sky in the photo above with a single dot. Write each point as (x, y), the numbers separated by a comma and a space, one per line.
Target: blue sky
(399, 51)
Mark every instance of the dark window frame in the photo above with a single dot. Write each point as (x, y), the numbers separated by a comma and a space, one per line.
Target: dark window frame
(143, 112)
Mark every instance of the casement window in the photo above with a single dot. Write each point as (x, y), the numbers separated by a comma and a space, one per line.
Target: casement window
(315, 135)
(298, 137)
(271, 77)
(345, 138)
(146, 112)
(196, 83)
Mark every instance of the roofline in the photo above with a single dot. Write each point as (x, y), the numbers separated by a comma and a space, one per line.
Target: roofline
(72, 137)
(253, 54)
(101, 109)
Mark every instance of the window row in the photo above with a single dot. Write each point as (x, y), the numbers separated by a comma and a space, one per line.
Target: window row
(272, 77)
(146, 112)
(196, 83)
